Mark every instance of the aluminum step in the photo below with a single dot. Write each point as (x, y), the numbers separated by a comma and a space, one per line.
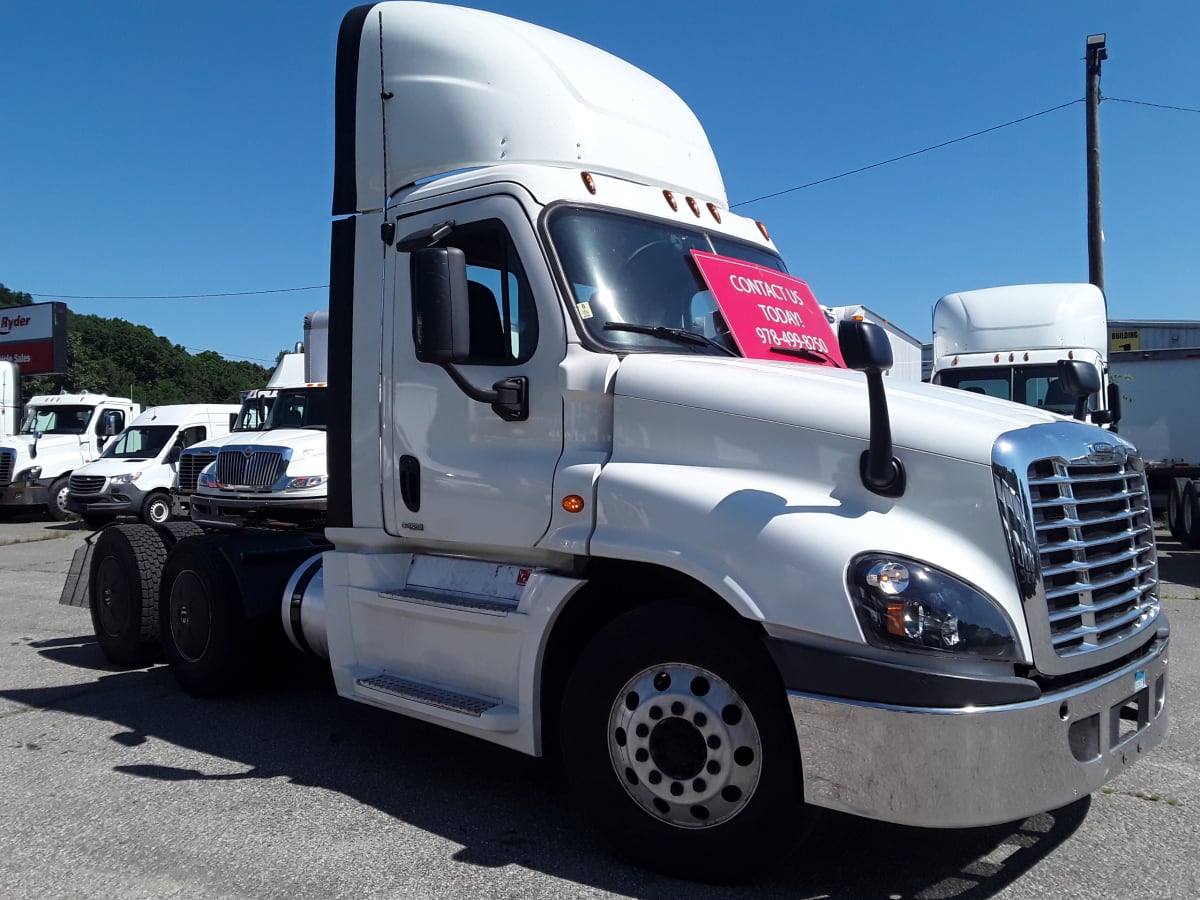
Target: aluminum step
(429, 694)
(495, 606)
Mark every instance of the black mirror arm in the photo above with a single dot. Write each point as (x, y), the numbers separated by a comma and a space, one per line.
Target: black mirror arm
(882, 473)
(509, 397)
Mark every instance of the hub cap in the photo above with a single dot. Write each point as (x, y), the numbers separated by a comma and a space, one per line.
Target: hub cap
(191, 617)
(684, 745)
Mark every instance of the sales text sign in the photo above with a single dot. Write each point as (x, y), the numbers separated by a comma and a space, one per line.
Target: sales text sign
(34, 337)
(768, 311)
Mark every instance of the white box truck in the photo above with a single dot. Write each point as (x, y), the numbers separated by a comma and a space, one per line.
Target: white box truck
(727, 590)
(136, 472)
(58, 434)
(906, 349)
(10, 398)
(273, 466)
(1155, 365)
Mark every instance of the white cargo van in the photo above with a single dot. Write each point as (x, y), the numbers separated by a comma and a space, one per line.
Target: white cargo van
(134, 475)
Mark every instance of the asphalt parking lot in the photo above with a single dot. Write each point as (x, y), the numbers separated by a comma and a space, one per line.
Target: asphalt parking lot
(114, 783)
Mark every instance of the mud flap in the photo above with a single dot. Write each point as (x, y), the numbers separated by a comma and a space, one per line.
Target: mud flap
(75, 589)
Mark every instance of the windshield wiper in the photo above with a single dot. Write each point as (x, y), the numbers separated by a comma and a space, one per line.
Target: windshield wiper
(806, 355)
(678, 335)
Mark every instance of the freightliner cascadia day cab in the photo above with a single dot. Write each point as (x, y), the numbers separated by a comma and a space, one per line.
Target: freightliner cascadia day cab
(273, 465)
(58, 434)
(1008, 342)
(726, 578)
(136, 472)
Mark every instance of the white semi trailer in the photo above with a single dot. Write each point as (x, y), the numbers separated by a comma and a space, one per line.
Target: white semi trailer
(727, 590)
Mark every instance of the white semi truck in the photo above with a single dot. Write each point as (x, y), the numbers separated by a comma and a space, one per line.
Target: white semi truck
(1007, 342)
(272, 466)
(725, 589)
(58, 434)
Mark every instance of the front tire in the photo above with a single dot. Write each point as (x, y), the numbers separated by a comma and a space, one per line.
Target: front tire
(127, 563)
(57, 503)
(678, 742)
(1175, 489)
(205, 635)
(156, 508)
(1190, 518)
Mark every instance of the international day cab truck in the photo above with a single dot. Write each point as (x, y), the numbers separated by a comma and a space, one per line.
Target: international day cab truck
(58, 434)
(273, 465)
(727, 578)
(136, 472)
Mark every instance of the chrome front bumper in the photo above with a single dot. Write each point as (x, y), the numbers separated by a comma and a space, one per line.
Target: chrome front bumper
(960, 768)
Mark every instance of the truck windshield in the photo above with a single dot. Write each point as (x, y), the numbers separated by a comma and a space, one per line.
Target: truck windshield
(621, 269)
(298, 408)
(254, 412)
(1031, 385)
(57, 419)
(140, 442)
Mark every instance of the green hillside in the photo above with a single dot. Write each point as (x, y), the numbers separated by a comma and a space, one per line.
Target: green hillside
(111, 356)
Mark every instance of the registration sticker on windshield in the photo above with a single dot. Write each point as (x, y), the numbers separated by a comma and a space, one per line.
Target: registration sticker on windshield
(770, 314)
(585, 309)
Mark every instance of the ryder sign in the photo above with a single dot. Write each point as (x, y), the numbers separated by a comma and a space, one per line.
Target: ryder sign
(770, 314)
(34, 337)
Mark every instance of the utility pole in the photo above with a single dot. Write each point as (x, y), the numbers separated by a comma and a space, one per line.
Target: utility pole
(1096, 53)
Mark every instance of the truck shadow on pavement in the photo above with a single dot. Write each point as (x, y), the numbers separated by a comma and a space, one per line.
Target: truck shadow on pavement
(501, 806)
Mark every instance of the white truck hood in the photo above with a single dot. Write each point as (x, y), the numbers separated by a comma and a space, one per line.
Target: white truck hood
(110, 467)
(302, 441)
(944, 421)
(46, 444)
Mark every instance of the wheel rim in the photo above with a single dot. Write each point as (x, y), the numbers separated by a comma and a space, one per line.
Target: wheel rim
(160, 511)
(191, 616)
(60, 500)
(685, 745)
(112, 597)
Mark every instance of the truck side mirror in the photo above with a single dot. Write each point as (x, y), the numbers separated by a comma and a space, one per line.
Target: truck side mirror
(1114, 405)
(441, 316)
(865, 347)
(442, 328)
(110, 423)
(1079, 380)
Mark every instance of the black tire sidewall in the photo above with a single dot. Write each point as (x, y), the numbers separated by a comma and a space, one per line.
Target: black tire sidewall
(759, 835)
(138, 553)
(225, 659)
(1175, 491)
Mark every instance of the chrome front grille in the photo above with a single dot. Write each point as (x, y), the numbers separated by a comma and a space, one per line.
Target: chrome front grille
(191, 464)
(87, 484)
(249, 468)
(7, 460)
(1095, 543)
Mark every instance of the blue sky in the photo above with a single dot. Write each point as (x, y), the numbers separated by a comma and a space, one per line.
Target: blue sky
(165, 148)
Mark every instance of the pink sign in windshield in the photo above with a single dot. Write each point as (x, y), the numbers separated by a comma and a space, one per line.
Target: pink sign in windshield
(769, 311)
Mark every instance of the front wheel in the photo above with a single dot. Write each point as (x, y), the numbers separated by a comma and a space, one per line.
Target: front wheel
(1190, 518)
(156, 508)
(678, 742)
(1175, 491)
(57, 504)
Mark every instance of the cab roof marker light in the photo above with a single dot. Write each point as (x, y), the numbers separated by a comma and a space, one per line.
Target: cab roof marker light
(671, 201)
(693, 206)
(714, 212)
(588, 182)
(763, 230)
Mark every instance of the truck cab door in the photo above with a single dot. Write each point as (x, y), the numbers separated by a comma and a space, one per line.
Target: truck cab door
(453, 470)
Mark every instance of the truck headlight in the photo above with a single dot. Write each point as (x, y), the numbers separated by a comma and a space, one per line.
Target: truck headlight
(33, 473)
(126, 478)
(306, 481)
(905, 604)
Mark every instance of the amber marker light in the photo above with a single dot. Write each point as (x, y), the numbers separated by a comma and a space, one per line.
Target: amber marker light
(1027, 357)
(572, 503)
(693, 206)
(671, 201)
(1012, 358)
(763, 230)
(996, 358)
(714, 212)
(588, 182)
(1070, 354)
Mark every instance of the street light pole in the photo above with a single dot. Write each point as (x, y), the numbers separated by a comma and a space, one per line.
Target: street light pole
(1096, 53)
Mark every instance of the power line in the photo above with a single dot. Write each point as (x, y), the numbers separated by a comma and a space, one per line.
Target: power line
(1144, 103)
(195, 350)
(311, 287)
(965, 137)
